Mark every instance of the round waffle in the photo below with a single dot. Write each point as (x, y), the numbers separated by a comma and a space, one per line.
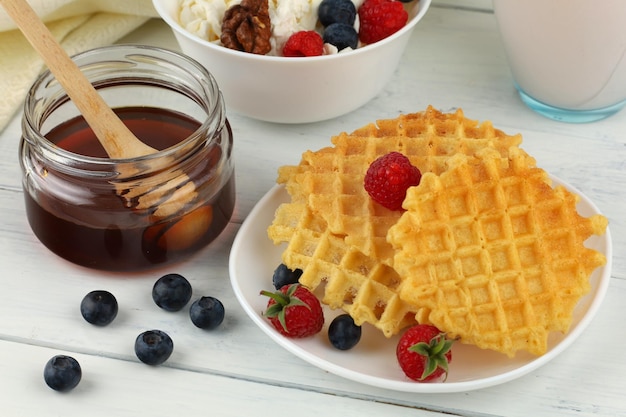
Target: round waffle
(492, 254)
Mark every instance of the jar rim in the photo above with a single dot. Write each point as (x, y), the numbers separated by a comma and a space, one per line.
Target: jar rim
(212, 98)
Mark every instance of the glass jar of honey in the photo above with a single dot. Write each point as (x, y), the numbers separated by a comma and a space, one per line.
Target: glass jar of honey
(136, 213)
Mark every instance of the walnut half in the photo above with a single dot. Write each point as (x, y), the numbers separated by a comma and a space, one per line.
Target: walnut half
(246, 27)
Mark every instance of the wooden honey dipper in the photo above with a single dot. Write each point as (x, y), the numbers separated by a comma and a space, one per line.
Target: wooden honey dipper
(114, 136)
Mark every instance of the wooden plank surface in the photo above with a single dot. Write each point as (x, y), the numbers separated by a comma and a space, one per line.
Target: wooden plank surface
(454, 59)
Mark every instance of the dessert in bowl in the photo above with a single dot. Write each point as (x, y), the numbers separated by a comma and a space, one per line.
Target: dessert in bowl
(296, 90)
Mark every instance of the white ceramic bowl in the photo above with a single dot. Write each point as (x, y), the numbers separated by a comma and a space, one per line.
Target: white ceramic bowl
(296, 90)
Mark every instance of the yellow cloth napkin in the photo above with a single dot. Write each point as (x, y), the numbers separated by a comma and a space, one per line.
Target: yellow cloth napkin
(77, 24)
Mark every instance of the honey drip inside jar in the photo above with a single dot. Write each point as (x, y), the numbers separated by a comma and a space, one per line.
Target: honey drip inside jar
(86, 222)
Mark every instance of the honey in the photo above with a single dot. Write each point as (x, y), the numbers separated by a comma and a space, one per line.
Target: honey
(72, 189)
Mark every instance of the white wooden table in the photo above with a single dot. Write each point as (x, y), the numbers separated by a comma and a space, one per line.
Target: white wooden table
(454, 59)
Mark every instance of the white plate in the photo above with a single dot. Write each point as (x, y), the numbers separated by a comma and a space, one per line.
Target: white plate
(254, 257)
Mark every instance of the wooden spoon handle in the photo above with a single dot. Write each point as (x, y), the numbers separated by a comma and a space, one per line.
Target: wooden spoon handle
(117, 140)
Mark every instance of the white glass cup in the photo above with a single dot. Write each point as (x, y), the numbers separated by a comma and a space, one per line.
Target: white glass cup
(567, 57)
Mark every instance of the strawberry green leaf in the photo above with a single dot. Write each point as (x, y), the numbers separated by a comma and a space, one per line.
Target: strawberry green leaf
(283, 301)
(434, 353)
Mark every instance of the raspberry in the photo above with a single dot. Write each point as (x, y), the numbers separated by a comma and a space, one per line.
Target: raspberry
(304, 43)
(380, 18)
(388, 178)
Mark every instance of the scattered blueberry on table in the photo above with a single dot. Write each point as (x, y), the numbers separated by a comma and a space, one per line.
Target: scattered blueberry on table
(62, 373)
(99, 307)
(207, 312)
(153, 347)
(171, 292)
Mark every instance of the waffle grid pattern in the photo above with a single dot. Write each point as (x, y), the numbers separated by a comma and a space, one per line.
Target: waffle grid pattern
(332, 178)
(487, 251)
(343, 277)
(488, 248)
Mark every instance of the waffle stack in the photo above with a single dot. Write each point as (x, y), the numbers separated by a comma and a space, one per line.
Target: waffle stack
(341, 239)
(331, 179)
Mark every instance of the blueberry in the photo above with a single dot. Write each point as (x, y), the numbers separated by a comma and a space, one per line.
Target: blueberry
(341, 35)
(62, 373)
(99, 307)
(153, 347)
(336, 11)
(171, 292)
(284, 276)
(343, 333)
(207, 313)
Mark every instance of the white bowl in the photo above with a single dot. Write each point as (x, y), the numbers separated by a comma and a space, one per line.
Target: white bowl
(296, 90)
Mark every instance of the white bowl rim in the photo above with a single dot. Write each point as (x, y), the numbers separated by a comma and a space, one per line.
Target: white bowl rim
(423, 5)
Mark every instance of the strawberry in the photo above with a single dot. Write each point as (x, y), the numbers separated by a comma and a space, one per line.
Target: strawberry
(294, 311)
(423, 353)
